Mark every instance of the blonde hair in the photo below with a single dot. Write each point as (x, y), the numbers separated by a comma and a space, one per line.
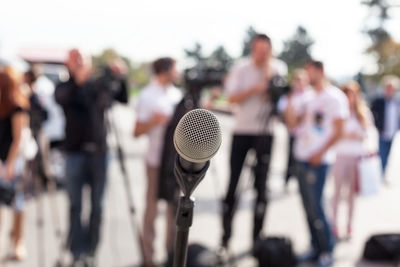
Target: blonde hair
(361, 107)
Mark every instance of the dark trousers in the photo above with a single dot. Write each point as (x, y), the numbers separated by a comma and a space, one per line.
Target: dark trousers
(291, 165)
(85, 168)
(384, 150)
(241, 144)
(311, 184)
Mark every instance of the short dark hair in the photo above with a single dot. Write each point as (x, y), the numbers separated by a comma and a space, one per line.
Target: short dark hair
(262, 37)
(162, 65)
(316, 64)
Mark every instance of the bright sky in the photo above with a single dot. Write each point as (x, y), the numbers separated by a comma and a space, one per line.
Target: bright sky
(144, 30)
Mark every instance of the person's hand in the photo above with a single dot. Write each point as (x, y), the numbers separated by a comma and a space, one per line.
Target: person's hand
(160, 118)
(260, 88)
(353, 136)
(9, 171)
(83, 74)
(316, 159)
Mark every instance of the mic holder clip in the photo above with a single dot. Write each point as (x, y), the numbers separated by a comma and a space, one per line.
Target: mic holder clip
(188, 181)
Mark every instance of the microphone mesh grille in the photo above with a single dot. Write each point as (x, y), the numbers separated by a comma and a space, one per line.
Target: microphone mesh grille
(197, 136)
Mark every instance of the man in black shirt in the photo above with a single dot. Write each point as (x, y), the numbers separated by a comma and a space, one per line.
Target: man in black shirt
(84, 101)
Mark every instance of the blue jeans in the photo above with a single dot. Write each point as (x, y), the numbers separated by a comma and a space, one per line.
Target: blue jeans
(384, 150)
(311, 184)
(85, 168)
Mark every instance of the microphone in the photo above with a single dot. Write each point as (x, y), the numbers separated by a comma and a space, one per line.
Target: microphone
(197, 139)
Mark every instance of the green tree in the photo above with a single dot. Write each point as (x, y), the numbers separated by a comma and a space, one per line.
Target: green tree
(384, 48)
(218, 59)
(296, 50)
(250, 33)
(138, 74)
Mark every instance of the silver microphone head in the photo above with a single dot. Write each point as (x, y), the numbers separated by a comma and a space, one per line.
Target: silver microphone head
(197, 136)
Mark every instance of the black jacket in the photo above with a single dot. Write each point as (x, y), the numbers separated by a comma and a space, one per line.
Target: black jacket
(378, 107)
(84, 108)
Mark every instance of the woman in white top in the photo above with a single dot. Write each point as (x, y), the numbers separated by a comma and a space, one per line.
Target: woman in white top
(349, 149)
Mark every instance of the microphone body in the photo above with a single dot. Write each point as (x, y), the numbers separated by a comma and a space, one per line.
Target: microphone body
(197, 139)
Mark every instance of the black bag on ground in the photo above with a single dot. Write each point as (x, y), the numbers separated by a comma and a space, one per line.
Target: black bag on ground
(200, 256)
(274, 252)
(382, 247)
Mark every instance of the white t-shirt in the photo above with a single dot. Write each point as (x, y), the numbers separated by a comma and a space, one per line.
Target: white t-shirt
(317, 127)
(352, 147)
(156, 99)
(251, 115)
(54, 126)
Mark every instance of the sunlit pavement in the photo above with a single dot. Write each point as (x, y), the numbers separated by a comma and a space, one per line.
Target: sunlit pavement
(285, 216)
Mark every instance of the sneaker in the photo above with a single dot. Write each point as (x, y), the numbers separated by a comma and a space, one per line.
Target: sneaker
(19, 252)
(309, 256)
(325, 260)
(90, 261)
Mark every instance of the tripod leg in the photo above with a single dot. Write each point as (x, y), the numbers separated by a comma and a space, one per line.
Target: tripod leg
(39, 220)
(52, 190)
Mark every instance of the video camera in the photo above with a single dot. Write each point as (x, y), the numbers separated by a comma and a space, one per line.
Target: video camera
(107, 80)
(277, 87)
(202, 76)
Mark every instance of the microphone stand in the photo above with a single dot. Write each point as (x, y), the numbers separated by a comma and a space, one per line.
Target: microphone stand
(187, 181)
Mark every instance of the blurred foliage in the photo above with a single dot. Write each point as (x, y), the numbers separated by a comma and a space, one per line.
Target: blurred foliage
(218, 59)
(138, 74)
(296, 50)
(250, 33)
(384, 48)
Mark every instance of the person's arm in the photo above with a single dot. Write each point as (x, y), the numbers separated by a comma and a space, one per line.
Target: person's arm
(240, 97)
(143, 127)
(18, 122)
(337, 134)
(292, 119)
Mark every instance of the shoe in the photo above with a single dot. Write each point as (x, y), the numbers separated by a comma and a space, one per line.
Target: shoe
(90, 261)
(78, 263)
(19, 252)
(325, 260)
(222, 255)
(309, 256)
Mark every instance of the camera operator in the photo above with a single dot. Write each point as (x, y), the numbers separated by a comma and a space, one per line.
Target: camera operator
(295, 98)
(84, 100)
(155, 107)
(247, 85)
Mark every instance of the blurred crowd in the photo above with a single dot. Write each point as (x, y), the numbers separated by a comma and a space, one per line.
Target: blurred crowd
(331, 127)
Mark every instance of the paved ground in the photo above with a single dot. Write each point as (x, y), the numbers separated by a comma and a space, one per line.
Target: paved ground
(284, 217)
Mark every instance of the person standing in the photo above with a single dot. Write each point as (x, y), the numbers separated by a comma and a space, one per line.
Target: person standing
(14, 119)
(155, 107)
(386, 111)
(246, 87)
(349, 150)
(317, 132)
(296, 98)
(85, 102)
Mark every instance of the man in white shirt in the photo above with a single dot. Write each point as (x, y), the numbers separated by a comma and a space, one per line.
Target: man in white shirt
(316, 134)
(247, 86)
(155, 107)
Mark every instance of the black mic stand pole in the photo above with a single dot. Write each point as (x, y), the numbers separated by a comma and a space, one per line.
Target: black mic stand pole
(184, 218)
